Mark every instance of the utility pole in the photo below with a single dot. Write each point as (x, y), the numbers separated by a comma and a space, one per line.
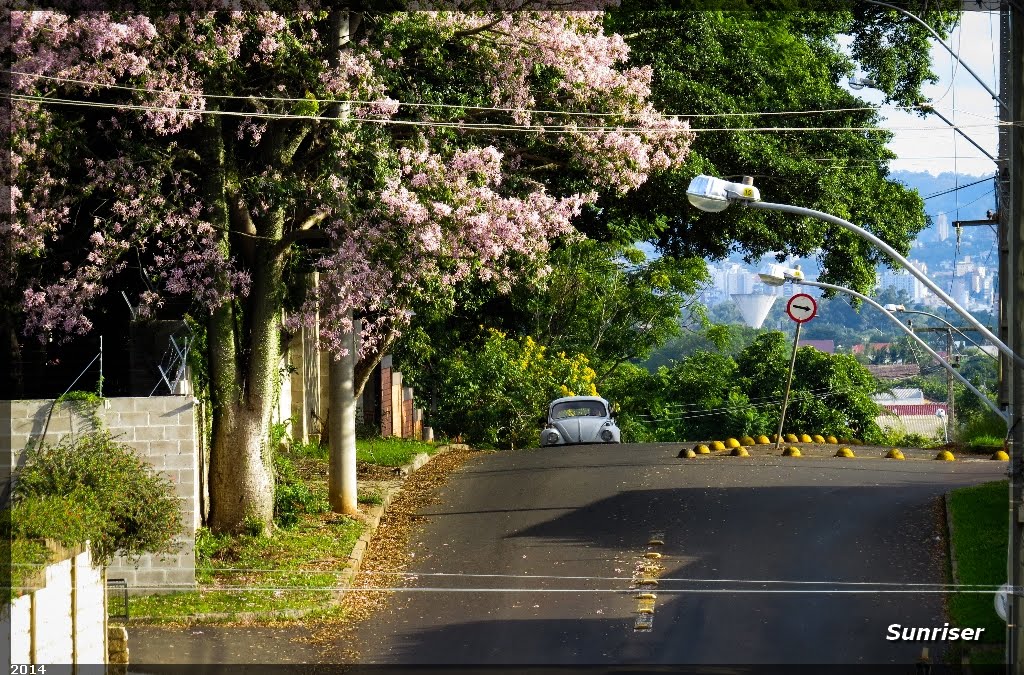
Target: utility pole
(950, 395)
(341, 471)
(1011, 294)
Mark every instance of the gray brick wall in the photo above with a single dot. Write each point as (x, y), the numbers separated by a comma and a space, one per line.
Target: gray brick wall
(162, 430)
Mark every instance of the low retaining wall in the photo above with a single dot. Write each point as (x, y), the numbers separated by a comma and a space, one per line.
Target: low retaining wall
(65, 620)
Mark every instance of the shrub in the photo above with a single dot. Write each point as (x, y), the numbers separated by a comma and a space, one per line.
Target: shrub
(292, 497)
(91, 487)
(495, 393)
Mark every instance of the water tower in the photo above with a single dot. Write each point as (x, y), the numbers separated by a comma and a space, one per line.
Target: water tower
(754, 307)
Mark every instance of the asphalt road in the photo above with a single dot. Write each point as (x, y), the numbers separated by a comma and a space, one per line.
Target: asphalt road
(533, 556)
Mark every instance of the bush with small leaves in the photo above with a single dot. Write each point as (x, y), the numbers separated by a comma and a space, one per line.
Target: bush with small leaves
(92, 487)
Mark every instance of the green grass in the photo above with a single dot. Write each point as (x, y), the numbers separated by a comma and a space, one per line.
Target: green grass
(292, 563)
(980, 516)
(309, 555)
(371, 497)
(985, 442)
(378, 451)
(391, 451)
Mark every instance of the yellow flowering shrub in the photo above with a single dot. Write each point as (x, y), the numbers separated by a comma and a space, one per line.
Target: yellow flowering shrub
(495, 395)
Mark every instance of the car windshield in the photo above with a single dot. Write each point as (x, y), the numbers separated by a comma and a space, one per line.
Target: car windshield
(560, 411)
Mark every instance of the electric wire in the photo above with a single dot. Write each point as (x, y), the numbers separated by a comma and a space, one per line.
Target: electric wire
(615, 591)
(661, 579)
(721, 411)
(961, 206)
(448, 106)
(772, 398)
(960, 187)
(477, 126)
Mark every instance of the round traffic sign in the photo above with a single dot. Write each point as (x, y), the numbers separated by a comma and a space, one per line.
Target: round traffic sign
(801, 308)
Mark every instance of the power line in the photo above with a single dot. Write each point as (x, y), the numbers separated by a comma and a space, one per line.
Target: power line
(456, 106)
(473, 126)
(959, 187)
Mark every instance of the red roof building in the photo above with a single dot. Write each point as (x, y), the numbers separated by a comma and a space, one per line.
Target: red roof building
(827, 346)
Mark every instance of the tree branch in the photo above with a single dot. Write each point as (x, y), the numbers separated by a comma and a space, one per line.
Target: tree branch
(478, 29)
(241, 222)
(304, 231)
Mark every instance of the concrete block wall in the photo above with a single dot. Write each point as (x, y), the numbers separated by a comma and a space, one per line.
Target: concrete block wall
(162, 430)
(64, 621)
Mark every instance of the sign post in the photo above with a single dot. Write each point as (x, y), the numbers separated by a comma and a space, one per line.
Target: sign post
(801, 308)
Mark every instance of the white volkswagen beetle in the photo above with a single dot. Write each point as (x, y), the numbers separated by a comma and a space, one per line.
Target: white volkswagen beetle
(579, 419)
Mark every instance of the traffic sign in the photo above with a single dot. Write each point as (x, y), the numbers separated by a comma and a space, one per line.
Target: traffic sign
(801, 308)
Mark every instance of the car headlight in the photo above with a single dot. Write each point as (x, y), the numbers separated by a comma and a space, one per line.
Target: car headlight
(606, 435)
(552, 437)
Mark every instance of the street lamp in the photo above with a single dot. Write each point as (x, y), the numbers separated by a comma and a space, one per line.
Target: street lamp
(904, 310)
(791, 276)
(711, 194)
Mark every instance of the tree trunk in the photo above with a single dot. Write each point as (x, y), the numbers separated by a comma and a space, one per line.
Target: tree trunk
(241, 482)
(243, 348)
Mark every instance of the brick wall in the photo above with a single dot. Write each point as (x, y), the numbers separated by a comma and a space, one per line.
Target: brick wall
(162, 430)
(386, 416)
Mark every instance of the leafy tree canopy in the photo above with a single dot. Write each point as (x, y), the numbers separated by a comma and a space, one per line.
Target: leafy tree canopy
(737, 74)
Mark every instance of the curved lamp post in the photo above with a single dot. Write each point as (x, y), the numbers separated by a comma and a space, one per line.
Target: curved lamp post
(903, 310)
(788, 276)
(708, 193)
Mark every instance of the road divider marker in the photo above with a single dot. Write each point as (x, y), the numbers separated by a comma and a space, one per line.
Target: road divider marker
(645, 580)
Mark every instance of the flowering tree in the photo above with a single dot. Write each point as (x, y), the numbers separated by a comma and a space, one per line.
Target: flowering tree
(222, 156)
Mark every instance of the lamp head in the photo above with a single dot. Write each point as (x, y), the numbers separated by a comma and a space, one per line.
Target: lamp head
(776, 275)
(711, 194)
(894, 308)
(861, 82)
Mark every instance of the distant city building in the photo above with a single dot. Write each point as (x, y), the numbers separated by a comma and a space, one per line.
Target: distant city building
(902, 280)
(943, 227)
(960, 292)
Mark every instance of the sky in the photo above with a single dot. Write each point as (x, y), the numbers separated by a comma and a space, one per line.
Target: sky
(960, 98)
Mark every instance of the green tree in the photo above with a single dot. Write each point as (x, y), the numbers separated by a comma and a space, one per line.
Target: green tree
(608, 301)
(736, 72)
(495, 391)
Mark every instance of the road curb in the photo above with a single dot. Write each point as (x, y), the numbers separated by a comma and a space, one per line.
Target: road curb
(949, 539)
(372, 519)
